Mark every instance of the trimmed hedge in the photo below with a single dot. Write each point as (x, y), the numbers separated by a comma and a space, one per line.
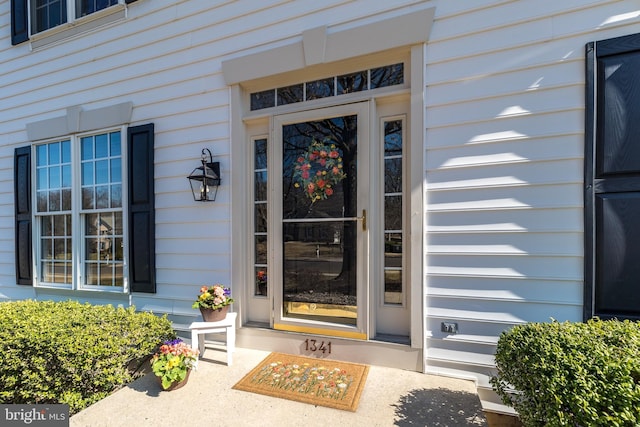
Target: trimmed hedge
(571, 374)
(67, 352)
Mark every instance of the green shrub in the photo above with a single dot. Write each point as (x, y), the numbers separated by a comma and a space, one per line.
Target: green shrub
(571, 374)
(67, 352)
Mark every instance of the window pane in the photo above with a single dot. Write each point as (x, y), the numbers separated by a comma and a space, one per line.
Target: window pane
(41, 155)
(261, 217)
(102, 171)
(86, 148)
(264, 99)
(114, 141)
(393, 175)
(393, 138)
(349, 83)
(393, 287)
(118, 254)
(261, 154)
(261, 249)
(54, 153)
(66, 176)
(290, 94)
(116, 196)
(102, 197)
(87, 198)
(115, 171)
(55, 204)
(320, 89)
(393, 213)
(261, 281)
(387, 76)
(87, 174)
(91, 273)
(102, 146)
(46, 226)
(41, 179)
(42, 198)
(66, 151)
(54, 177)
(260, 186)
(66, 199)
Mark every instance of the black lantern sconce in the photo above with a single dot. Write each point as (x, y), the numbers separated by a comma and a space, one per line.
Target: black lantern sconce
(205, 179)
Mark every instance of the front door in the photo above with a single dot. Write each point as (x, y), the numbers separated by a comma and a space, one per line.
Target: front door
(320, 234)
(329, 222)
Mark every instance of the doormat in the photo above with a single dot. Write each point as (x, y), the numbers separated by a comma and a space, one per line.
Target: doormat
(322, 382)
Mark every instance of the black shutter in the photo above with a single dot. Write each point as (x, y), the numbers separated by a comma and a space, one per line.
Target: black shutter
(129, 1)
(612, 179)
(142, 264)
(22, 188)
(19, 22)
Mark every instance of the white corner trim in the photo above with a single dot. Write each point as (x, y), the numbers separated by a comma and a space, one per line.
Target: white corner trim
(319, 45)
(78, 120)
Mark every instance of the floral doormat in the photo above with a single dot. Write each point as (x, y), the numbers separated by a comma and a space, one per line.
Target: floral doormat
(323, 382)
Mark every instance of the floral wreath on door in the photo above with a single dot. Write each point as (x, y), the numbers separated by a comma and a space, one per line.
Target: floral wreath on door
(318, 170)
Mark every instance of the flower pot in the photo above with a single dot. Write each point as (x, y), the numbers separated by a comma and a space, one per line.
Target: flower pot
(175, 385)
(211, 315)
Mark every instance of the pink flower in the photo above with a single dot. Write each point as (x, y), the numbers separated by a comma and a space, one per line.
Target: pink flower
(300, 159)
(322, 161)
(335, 170)
(305, 174)
(321, 183)
(334, 154)
(328, 191)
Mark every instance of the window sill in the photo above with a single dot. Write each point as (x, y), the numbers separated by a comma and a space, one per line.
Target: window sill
(80, 26)
(46, 290)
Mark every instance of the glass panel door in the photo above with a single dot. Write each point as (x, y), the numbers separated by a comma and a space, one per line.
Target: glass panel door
(321, 220)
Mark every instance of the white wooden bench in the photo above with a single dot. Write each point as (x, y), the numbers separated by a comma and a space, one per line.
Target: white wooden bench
(227, 326)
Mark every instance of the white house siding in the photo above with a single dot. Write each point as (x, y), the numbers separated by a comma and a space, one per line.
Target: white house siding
(165, 58)
(504, 170)
(504, 113)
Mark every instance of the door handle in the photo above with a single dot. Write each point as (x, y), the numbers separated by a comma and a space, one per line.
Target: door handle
(363, 218)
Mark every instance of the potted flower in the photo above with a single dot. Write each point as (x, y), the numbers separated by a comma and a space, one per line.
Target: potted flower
(173, 363)
(213, 302)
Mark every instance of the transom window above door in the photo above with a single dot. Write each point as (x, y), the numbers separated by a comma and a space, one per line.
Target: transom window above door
(374, 78)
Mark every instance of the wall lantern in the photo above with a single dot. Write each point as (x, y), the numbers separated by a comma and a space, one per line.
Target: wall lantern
(205, 179)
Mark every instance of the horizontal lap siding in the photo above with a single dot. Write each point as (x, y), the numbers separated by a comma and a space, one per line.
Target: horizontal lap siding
(166, 59)
(504, 171)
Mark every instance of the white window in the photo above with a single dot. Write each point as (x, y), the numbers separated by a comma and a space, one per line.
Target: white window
(47, 14)
(79, 215)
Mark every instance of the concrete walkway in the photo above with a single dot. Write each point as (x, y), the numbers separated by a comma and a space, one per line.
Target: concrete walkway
(391, 397)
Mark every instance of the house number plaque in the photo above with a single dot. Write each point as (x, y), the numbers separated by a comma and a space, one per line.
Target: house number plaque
(317, 346)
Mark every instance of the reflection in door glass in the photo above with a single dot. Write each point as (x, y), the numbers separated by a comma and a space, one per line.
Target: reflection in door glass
(319, 227)
(319, 271)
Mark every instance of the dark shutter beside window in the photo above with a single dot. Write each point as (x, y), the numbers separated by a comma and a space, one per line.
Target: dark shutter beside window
(19, 22)
(612, 179)
(22, 205)
(142, 264)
